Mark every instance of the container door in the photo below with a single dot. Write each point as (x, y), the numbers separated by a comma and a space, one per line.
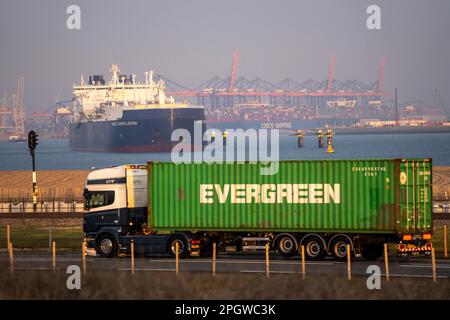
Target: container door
(415, 195)
(136, 186)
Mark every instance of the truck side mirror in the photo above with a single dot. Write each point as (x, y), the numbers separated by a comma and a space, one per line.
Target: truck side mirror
(86, 194)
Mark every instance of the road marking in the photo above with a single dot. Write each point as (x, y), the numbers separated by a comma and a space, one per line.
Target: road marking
(423, 266)
(19, 259)
(145, 269)
(282, 272)
(245, 271)
(247, 262)
(445, 261)
(394, 275)
(47, 259)
(31, 268)
(281, 263)
(414, 276)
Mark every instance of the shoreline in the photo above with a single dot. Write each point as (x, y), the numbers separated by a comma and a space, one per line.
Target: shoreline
(392, 130)
(338, 131)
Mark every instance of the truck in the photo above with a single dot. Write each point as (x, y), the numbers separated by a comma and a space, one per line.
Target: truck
(323, 206)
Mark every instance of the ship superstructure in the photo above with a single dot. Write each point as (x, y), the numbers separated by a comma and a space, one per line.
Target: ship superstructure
(98, 100)
(125, 115)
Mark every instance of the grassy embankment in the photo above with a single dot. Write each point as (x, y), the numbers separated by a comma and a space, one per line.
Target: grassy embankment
(35, 235)
(165, 285)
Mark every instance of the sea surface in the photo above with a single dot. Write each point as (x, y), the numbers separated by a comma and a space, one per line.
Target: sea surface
(54, 154)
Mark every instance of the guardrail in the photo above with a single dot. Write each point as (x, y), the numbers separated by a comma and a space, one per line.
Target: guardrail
(441, 216)
(42, 215)
(21, 206)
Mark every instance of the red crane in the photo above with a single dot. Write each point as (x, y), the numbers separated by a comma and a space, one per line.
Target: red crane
(331, 87)
(233, 71)
(381, 77)
(331, 74)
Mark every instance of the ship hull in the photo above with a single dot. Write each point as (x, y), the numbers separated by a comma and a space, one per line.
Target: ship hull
(147, 130)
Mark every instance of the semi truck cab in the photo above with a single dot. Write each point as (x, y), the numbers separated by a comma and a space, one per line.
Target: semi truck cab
(115, 201)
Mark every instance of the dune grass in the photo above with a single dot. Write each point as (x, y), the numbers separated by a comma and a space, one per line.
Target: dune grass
(165, 285)
(37, 236)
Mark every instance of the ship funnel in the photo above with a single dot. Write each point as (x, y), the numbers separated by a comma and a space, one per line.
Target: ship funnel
(151, 78)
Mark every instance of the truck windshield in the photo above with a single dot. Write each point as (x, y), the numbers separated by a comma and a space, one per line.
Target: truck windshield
(95, 199)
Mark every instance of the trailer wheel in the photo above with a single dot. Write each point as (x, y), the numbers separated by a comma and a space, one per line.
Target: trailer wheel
(338, 248)
(286, 245)
(372, 251)
(106, 246)
(314, 247)
(182, 246)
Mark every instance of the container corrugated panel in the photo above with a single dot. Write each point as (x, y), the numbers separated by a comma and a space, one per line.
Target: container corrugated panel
(326, 196)
(416, 195)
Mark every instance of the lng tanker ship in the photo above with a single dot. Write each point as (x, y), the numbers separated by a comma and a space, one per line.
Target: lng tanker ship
(124, 115)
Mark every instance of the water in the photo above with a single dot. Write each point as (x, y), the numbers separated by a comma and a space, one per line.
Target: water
(54, 154)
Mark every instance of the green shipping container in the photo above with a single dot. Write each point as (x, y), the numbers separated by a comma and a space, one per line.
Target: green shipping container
(352, 196)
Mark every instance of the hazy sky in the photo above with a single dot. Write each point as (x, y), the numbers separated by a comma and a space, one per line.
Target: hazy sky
(190, 41)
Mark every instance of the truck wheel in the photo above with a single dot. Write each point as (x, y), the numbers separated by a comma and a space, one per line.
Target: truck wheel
(338, 248)
(106, 246)
(182, 246)
(314, 248)
(372, 251)
(286, 245)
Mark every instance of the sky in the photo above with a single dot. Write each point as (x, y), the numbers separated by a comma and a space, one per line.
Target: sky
(192, 41)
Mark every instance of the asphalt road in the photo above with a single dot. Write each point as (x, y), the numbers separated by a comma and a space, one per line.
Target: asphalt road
(398, 267)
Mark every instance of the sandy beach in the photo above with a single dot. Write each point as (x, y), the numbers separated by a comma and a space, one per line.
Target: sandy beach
(51, 183)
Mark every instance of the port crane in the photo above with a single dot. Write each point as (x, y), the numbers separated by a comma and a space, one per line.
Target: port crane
(330, 93)
(12, 116)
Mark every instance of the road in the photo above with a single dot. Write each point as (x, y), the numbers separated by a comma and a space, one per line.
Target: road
(419, 267)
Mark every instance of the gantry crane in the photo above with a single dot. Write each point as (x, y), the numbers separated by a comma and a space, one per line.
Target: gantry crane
(233, 70)
(12, 117)
(18, 108)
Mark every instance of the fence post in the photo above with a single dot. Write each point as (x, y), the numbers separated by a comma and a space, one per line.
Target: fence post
(11, 257)
(83, 255)
(445, 241)
(433, 263)
(303, 262)
(132, 257)
(386, 261)
(176, 258)
(8, 236)
(54, 256)
(267, 260)
(349, 268)
(50, 237)
(214, 260)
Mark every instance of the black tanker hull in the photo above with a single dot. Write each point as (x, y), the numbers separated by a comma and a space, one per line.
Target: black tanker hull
(147, 130)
